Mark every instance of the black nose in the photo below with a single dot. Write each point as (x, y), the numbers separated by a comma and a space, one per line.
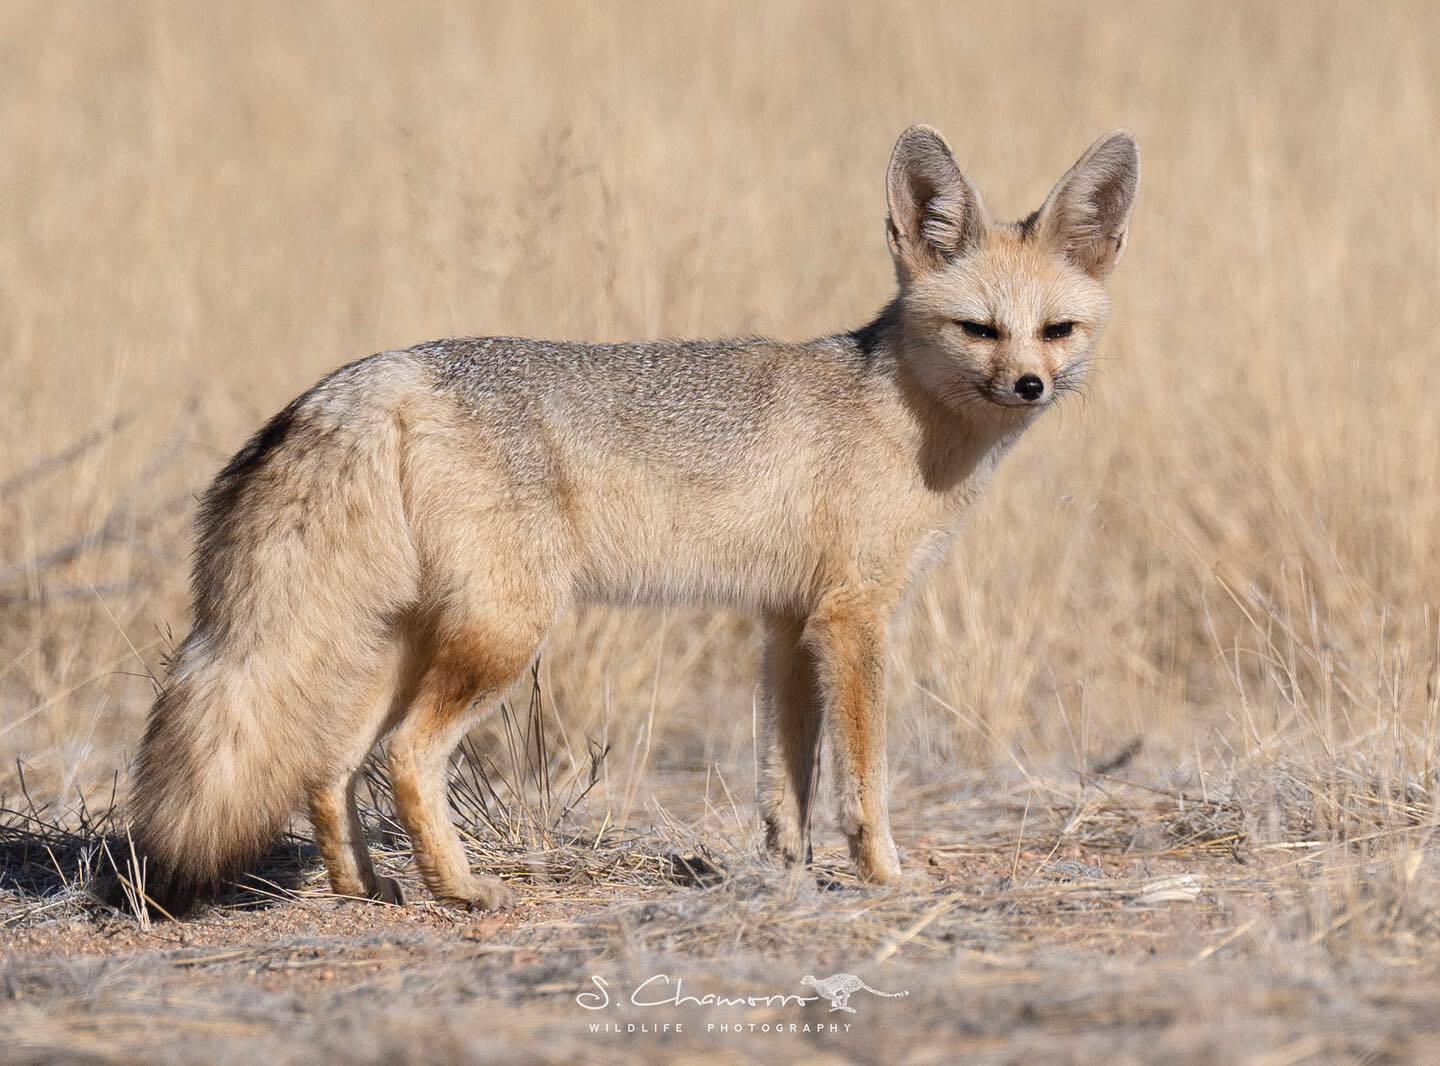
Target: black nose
(1029, 387)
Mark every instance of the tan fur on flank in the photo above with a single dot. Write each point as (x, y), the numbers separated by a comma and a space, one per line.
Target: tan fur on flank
(387, 555)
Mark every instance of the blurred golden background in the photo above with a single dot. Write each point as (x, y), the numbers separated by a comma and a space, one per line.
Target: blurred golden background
(1229, 552)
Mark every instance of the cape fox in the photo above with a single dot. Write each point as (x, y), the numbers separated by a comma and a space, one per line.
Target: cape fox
(385, 557)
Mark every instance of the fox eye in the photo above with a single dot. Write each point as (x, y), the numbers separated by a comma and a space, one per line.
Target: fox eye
(979, 329)
(1056, 331)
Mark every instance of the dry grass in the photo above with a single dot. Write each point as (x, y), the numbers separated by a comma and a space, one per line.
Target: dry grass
(1193, 632)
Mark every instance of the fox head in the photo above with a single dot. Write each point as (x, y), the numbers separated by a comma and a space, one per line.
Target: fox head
(1002, 317)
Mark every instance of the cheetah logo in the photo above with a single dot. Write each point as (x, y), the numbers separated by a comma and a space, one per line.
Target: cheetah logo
(839, 987)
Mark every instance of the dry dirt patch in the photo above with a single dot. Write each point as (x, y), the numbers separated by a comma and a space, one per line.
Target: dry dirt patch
(1023, 930)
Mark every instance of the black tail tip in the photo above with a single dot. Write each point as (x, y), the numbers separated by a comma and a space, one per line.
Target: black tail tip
(159, 897)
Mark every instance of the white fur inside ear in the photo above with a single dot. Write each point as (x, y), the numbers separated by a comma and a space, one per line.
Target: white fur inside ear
(1087, 214)
(943, 226)
(935, 213)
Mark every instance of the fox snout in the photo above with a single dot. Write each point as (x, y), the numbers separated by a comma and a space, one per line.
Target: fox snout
(1030, 388)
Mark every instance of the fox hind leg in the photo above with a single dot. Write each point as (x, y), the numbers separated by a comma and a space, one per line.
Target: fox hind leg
(334, 813)
(469, 670)
(789, 741)
(340, 837)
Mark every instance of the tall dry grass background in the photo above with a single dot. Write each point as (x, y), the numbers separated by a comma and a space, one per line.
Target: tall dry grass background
(1229, 550)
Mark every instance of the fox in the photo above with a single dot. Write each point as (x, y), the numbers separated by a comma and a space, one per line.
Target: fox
(384, 558)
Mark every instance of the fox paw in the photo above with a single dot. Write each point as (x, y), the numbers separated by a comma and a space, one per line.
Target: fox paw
(877, 860)
(388, 890)
(786, 840)
(480, 894)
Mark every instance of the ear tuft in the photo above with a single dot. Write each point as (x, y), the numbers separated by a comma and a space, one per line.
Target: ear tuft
(935, 213)
(1087, 214)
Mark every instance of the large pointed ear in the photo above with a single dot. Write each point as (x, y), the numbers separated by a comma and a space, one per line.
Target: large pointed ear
(1087, 215)
(935, 213)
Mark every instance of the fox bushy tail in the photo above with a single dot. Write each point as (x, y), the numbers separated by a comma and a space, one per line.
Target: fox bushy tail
(302, 554)
(213, 784)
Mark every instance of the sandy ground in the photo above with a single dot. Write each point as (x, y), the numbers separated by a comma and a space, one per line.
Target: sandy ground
(1024, 932)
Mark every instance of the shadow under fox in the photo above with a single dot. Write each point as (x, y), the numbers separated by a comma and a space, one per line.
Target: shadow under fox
(386, 556)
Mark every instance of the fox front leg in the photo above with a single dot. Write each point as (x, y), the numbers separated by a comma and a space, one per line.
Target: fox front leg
(848, 637)
(789, 740)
